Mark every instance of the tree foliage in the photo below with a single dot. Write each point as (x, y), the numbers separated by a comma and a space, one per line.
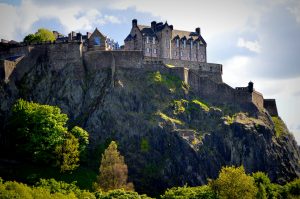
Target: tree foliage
(113, 170)
(233, 183)
(41, 35)
(40, 132)
(201, 192)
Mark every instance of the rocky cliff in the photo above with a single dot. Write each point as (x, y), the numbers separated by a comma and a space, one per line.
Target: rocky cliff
(168, 135)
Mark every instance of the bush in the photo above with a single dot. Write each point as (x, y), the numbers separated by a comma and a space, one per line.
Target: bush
(201, 192)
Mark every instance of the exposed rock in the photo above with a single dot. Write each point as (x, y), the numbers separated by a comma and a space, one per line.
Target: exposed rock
(186, 146)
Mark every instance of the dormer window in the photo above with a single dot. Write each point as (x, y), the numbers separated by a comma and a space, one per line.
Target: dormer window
(184, 43)
(147, 40)
(177, 43)
(153, 40)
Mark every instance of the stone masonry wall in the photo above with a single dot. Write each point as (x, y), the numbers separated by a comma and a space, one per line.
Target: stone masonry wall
(270, 106)
(103, 59)
(258, 99)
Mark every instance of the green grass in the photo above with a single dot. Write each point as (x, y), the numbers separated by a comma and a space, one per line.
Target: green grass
(202, 105)
(172, 82)
(169, 119)
(145, 147)
(179, 106)
(279, 126)
(229, 119)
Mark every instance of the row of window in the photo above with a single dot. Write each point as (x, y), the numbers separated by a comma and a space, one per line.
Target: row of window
(181, 55)
(184, 44)
(148, 50)
(177, 43)
(148, 40)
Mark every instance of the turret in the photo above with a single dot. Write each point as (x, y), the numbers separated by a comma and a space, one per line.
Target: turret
(134, 22)
(250, 87)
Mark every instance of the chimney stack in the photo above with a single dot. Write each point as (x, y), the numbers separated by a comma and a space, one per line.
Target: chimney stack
(134, 23)
(153, 25)
(198, 31)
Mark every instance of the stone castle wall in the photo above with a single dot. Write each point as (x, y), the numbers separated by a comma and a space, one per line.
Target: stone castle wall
(270, 106)
(103, 59)
(204, 78)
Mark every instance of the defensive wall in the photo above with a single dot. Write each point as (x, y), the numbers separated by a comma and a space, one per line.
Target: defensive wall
(204, 78)
(270, 106)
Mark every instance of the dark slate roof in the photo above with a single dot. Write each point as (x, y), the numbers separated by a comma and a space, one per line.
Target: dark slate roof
(129, 37)
(148, 32)
(13, 58)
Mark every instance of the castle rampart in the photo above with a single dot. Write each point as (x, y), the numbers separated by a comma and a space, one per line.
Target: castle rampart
(270, 106)
(204, 78)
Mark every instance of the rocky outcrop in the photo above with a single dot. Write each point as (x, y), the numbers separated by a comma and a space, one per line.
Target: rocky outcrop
(168, 136)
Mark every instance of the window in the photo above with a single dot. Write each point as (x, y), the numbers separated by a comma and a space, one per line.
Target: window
(195, 55)
(175, 53)
(177, 43)
(191, 44)
(184, 43)
(147, 50)
(153, 40)
(154, 50)
(181, 54)
(147, 40)
(97, 41)
(198, 46)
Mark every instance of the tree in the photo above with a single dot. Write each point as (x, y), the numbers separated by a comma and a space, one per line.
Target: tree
(68, 153)
(40, 132)
(45, 34)
(265, 188)
(82, 136)
(234, 183)
(113, 171)
(40, 36)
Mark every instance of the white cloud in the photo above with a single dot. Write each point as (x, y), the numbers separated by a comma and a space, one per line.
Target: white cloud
(250, 45)
(73, 17)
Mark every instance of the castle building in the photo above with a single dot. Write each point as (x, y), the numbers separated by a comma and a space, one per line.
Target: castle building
(161, 41)
(93, 41)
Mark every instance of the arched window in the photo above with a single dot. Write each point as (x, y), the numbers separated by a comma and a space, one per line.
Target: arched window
(97, 41)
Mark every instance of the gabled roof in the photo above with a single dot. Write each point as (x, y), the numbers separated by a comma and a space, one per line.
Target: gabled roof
(96, 31)
(129, 37)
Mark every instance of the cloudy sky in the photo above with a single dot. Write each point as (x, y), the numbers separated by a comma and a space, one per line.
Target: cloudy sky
(257, 40)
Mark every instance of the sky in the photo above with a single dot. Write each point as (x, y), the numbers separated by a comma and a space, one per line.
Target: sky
(257, 40)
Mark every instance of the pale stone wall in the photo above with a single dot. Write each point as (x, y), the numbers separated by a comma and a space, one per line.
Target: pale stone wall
(258, 99)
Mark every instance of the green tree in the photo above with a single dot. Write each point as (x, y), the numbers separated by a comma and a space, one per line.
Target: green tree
(40, 36)
(234, 183)
(113, 171)
(40, 132)
(82, 136)
(45, 34)
(265, 188)
(200, 192)
(68, 153)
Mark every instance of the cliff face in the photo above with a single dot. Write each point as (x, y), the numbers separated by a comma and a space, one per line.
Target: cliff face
(168, 136)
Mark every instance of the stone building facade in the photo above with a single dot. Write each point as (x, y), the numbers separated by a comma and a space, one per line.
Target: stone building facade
(161, 41)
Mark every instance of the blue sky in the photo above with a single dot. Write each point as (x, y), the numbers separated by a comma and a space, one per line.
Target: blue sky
(257, 40)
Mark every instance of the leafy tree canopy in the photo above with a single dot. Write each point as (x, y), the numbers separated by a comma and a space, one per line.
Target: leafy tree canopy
(233, 183)
(40, 36)
(39, 131)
